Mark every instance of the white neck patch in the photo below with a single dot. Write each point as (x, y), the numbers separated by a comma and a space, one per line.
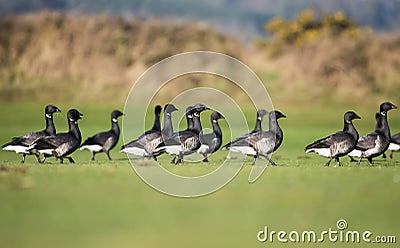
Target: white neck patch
(190, 116)
(383, 113)
(48, 116)
(259, 118)
(214, 121)
(114, 120)
(168, 114)
(197, 114)
(348, 121)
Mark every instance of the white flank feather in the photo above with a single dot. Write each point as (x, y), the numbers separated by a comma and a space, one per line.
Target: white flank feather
(92, 148)
(394, 147)
(135, 151)
(326, 152)
(355, 153)
(17, 149)
(243, 149)
(175, 150)
(203, 149)
(46, 151)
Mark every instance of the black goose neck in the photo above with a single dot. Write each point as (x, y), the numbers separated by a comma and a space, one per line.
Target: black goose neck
(157, 124)
(258, 126)
(383, 126)
(216, 128)
(274, 126)
(276, 129)
(350, 129)
(74, 129)
(190, 122)
(167, 130)
(50, 128)
(115, 126)
(196, 123)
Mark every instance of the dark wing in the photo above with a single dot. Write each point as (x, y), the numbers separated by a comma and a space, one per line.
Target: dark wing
(395, 139)
(51, 142)
(367, 142)
(328, 141)
(191, 143)
(98, 139)
(262, 142)
(339, 144)
(239, 141)
(148, 142)
(26, 140)
(187, 140)
(62, 144)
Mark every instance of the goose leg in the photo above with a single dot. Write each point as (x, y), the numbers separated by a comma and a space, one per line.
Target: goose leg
(94, 154)
(370, 161)
(359, 160)
(44, 158)
(108, 155)
(329, 161)
(205, 159)
(71, 160)
(155, 158)
(338, 161)
(352, 159)
(391, 155)
(61, 160)
(254, 159)
(384, 155)
(38, 159)
(180, 159)
(173, 160)
(270, 161)
(23, 158)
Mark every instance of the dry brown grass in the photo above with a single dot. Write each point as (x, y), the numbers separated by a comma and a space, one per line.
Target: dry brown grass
(345, 69)
(75, 58)
(50, 56)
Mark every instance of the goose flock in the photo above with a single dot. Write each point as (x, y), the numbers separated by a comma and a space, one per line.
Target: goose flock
(178, 144)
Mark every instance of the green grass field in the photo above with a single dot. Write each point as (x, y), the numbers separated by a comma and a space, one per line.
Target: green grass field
(105, 204)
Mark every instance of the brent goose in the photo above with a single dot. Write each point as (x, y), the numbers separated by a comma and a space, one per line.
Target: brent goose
(394, 145)
(21, 144)
(211, 142)
(189, 120)
(146, 144)
(338, 144)
(104, 141)
(261, 143)
(258, 127)
(185, 142)
(63, 144)
(376, 143)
